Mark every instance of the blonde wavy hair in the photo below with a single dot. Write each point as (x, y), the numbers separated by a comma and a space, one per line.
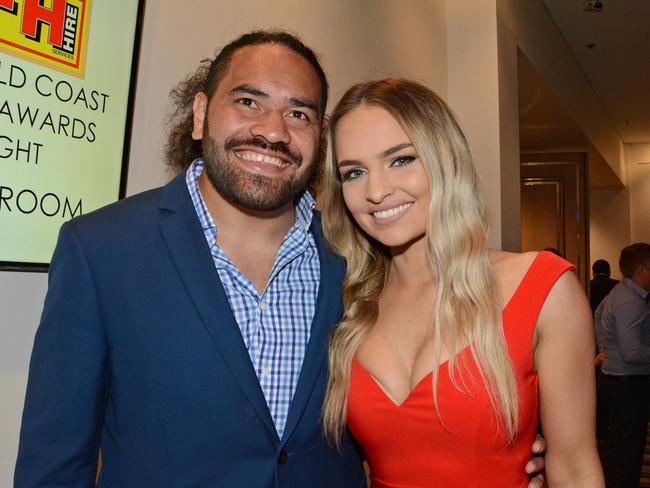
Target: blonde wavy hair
(466, 303)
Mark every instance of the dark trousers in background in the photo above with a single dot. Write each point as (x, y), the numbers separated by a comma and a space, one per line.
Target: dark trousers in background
(601, 413)
(626, 399)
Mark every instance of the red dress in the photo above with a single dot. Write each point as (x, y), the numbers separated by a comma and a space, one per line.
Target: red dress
(409, 445)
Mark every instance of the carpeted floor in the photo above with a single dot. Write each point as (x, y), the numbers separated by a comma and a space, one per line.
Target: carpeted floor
(645, 469)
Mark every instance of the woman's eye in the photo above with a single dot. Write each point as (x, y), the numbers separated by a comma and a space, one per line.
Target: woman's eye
(351, 174)
(402, 160)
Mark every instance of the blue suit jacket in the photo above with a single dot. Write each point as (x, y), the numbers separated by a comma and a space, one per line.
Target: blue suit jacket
(138, 351)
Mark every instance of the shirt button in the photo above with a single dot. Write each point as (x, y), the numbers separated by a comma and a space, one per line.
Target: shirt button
(266, 371)
(263, 305)
(283, 457)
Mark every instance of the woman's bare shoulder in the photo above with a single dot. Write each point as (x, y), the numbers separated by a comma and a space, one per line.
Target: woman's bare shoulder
(511, 264)
(510, 269)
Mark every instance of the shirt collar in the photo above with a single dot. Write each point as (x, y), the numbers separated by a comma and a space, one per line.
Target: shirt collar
(636, 288)
(304, 207)
(305, 211)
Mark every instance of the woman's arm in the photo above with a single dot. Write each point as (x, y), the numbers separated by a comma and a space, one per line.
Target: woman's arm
(564, 362)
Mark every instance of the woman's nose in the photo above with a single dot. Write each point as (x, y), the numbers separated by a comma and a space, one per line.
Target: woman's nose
(378, 187)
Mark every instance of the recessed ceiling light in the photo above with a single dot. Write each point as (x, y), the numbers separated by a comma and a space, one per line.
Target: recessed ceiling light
(592, 5)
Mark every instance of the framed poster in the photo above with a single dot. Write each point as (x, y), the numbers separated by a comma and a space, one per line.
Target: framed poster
(67, 82)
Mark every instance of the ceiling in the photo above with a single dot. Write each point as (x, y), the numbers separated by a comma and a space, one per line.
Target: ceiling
(545, 126)
(613, 49)
(543, 121)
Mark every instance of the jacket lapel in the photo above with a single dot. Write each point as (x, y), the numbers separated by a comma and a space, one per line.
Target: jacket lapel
(182, 232)
(327, 314)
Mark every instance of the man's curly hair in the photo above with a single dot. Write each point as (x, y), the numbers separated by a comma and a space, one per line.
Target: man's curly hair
(181, 149)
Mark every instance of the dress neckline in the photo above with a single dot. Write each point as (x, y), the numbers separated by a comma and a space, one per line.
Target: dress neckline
(445, 363)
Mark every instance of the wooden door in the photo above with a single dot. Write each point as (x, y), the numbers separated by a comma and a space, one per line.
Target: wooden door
(554, 207)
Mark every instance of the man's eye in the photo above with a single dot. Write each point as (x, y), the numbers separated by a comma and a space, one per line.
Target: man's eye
(249, 102)
(351, 174)
(297, 114)
(402, 160)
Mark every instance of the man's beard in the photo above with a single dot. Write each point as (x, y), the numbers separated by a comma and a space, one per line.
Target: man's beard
(247, 189)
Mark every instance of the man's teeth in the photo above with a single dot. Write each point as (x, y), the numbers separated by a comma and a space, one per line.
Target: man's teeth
(262, 158)
(384, 214)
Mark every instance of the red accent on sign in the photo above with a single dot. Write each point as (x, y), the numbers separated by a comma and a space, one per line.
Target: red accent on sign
(8, 4)
(34, 14)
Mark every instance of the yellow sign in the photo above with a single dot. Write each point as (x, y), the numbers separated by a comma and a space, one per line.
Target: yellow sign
(63, 136)
(50, 32)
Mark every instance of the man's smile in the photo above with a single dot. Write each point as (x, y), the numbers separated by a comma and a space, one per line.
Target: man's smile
(261, 158)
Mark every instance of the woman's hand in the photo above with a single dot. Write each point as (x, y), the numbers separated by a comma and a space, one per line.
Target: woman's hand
(535, 467)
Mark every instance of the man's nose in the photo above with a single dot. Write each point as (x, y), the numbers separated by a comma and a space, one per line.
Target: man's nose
(272, 127)
(379, 187)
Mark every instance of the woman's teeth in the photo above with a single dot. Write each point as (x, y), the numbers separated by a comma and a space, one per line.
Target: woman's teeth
(384, 214)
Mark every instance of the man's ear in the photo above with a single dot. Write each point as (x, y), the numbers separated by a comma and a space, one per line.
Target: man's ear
(324, 131)
(199, 107)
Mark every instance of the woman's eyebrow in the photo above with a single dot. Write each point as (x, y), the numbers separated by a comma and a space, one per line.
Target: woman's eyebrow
(384, 154)
(349, 162)
(394, 149)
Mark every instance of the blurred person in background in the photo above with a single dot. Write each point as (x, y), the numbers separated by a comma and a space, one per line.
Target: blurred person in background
(622, 323)
(601, 284)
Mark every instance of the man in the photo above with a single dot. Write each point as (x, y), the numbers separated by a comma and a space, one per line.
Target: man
(599, 288)
(185, 328)
(601, 284)
(623, 334)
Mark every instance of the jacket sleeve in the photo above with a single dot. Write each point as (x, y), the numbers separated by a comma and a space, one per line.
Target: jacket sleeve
(68, 378)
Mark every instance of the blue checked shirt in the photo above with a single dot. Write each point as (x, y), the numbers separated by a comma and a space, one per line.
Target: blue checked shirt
(275, 326)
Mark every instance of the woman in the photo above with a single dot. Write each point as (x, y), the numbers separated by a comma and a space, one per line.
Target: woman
(444, 344)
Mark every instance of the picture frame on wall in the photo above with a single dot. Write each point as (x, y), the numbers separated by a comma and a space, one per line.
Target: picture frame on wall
(67, 86)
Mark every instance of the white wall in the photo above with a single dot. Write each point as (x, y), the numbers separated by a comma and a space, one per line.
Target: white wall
(358, 39)
(638, 161)
(620, 215)
(21, 300)
(473, 93)
(509, 138)
(609, 224)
